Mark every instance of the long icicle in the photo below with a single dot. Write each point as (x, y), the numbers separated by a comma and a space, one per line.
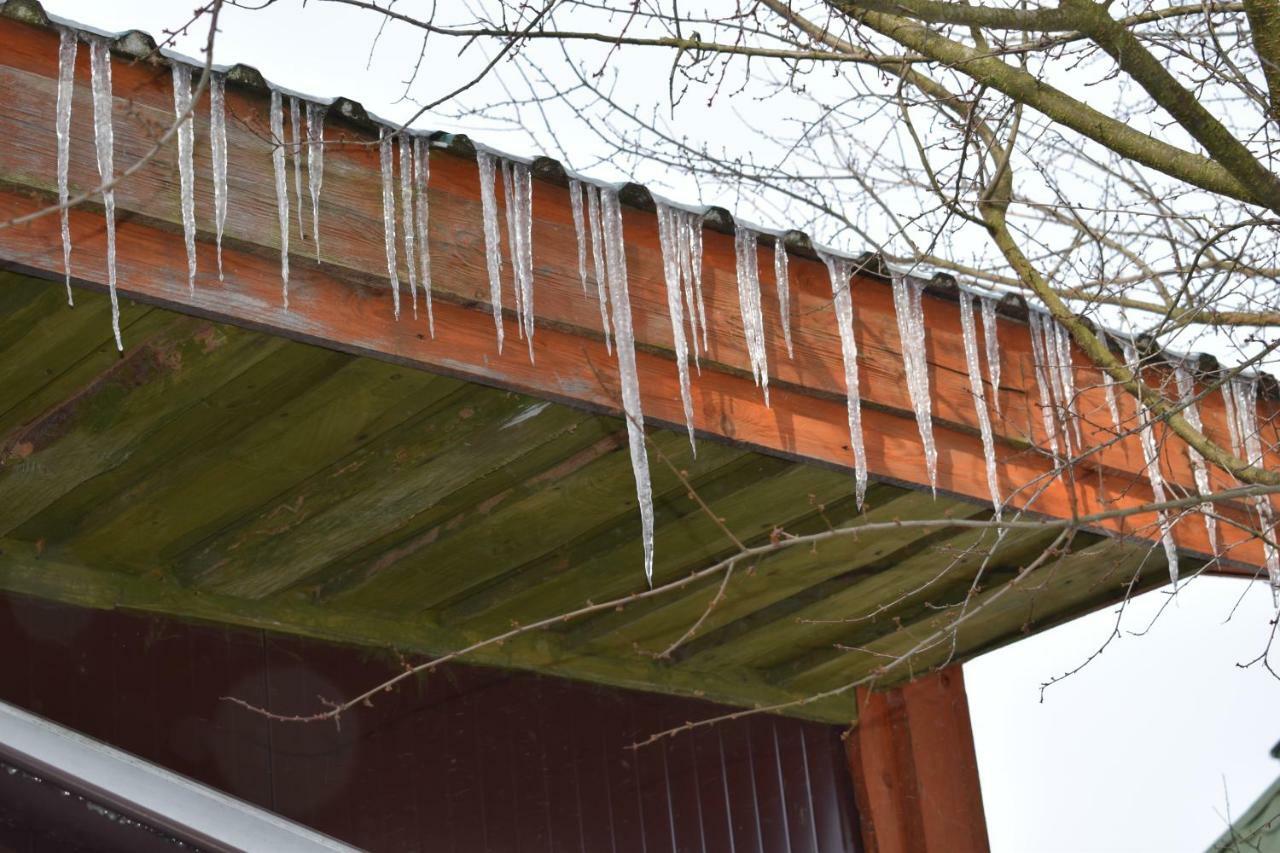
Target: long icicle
(422, 178)
(579, 228)
(841, 271)
(68, 45)
(686, 223)
(623, 333)
(1151, 460)
(387, 165)
(315, 165)
(1053, 366)
(974, 364)
(669, 240)
(1040, 363)
(218, 157)
(991, 336)
(694, 225)
(747, 252)
(598, 259)
(282, 190)
(522, 191)
(1067, 370)
(1245, 391)
(1199, 470)
(909, 309)
(407, 212)
(1109, 387)
(186, 164)
(295, 149)
(781, 278)
(104, 142)
(487, 167)
(513, 250)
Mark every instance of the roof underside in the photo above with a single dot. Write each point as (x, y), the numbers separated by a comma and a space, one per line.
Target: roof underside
(219, 473)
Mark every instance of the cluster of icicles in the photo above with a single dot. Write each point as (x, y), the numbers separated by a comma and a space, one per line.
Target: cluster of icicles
(597, 217)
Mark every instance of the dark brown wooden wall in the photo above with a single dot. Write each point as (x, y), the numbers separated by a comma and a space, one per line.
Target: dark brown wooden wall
(468, 759)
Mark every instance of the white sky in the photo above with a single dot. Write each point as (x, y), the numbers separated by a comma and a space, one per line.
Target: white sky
(1142, 750)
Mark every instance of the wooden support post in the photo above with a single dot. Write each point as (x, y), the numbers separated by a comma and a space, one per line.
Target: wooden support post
(915, 772)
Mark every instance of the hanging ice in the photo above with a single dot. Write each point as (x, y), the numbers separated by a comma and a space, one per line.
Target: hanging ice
(693, 229)
(186, 165)
(991, 336)
(315, 166)
(517, 185)
(422, 179)
(910, 313)
(295, 147)
(597, 254)
(282, 190)
(616, 254)
(1109, 386)
(841, 270)
(68, 45)
(104, 142)
(745, 248)
(1233, 417)
(974, 364)
(218, 155)
(1035, 321)
(579, 228)
(1052, 352)
(1199, 470)
(389, 215)
(669, 240)
(1151, 460)
(487, 168)
(407, 212)
(684, 252)
(780, 278)
(1067, 380)
(1245, 391)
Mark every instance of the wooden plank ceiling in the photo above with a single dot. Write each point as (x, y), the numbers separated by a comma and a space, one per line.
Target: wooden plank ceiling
(222, 473)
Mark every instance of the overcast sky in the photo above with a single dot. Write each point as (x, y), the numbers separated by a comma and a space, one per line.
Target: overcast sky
(1147, 748)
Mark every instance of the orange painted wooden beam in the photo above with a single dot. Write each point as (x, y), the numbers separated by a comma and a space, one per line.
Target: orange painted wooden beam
(344, 302)
(914, 768)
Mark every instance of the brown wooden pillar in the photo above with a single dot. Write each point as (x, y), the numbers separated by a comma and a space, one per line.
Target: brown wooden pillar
(915, 772)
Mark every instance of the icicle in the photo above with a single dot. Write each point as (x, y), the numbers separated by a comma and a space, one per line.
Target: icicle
(991, 336)
(744, 241)
(1109, 386)
(315, 166)
(1151, 458)
(669, 240)
(492, 247)
(1199, 470)
(422, 177)
(597, 254)
(282, 190)
(1245, 391)
(68, 45)
(780, 277)
(579, 228)
(910, 312)
(693, 223)
(186, 165)
(407, 211)
(616, 253)
(686, 223)
(389, 215)
(1067, 374)
(974, 364)
(517, 186)
(103, 135)
(841, 270)
(295, 147)
(1053, 367)
(1233, 418)
(513, 250)
(218, 155)
(1034, 323)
